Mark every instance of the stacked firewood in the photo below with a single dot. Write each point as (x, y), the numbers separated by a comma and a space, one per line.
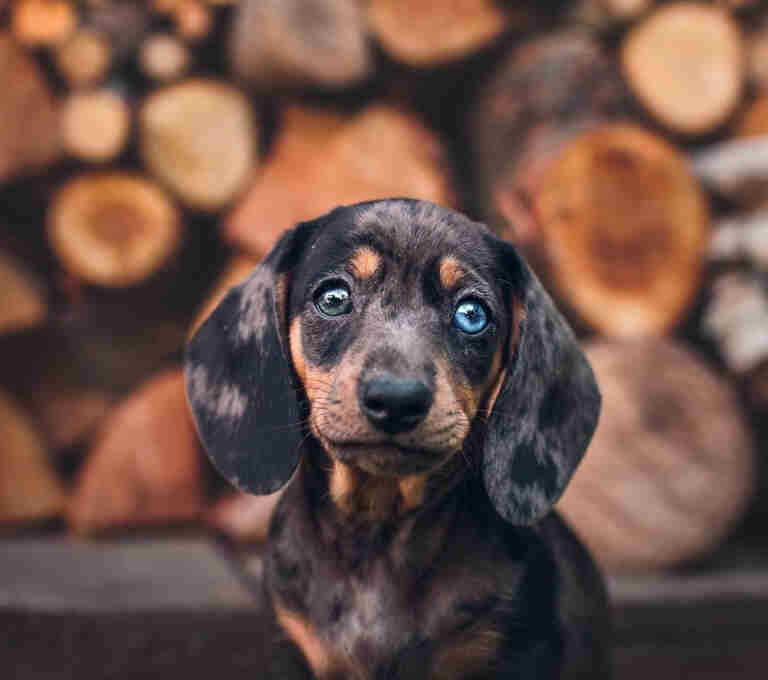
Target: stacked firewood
(152, 152)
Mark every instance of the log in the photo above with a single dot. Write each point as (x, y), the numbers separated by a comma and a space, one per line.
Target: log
(242, 517)
(736, 320)
(23, 301)
(290, 43)
(29, 138)
(200, 138)
(426, 33)
(622, 229)
(607, 14)
(671, 468)
(29, 489)
(235, 272)
(523, 116)
(112, 229)
(736, 169)
(378, 153)
(193, 20)
(42, 23)
(84, 60)
(145, 466)
(122, 23)
(164, 57)
(95, 125)
(685, 63)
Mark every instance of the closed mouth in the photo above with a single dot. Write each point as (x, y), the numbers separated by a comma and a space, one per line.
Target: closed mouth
(385, 457)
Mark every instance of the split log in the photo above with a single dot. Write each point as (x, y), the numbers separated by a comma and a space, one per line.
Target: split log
(29, 135)
(672, 467)
(112, 229)
(39, 23)
(22, 297)
(84, 60)
(200, 138)
(164, 57)
(524, 115)
(29, 489)
(736, 169)
(95, 125)
(686, 64)
(236, 272)
(622, 229)
(378, 153)
(243, 517)
(289, 43)
(145, 466)
(425, 33)
(736, 319)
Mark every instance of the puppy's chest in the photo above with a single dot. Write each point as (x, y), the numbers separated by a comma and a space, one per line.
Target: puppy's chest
(373, 622)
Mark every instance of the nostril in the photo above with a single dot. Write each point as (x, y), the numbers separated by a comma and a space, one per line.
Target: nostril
(395, 404)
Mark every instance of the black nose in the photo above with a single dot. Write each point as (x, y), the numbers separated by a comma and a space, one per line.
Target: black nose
(395, 404)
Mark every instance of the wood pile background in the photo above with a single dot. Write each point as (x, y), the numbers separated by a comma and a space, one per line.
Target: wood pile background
(151, 152)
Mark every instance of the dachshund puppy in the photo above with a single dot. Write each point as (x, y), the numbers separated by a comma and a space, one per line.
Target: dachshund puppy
(407, 372)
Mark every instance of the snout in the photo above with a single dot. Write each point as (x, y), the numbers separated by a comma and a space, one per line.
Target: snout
(394, 404)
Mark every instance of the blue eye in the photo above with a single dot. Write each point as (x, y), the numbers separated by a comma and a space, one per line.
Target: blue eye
(334, 300)
(470, 316)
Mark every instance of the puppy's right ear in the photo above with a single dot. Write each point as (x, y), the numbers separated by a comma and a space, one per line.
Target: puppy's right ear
(239, 380)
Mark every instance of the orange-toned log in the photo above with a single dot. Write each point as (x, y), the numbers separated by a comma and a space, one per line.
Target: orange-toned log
(672, 467)
(22, 297)
(84, 59)
(145, 465)
(428, 33)
(112, 229)
(321, 161)
(29, 123)
(622, 230)
(686, 64)
(43, 22)
(29, 489)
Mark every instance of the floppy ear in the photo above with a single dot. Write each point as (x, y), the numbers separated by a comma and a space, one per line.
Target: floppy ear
(239, 379)
(546, 410)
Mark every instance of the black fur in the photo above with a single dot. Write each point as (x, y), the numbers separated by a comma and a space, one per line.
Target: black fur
(481, 555)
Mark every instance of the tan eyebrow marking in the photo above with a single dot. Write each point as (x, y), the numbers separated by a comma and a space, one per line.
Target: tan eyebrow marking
(450, 271)
(365, 262)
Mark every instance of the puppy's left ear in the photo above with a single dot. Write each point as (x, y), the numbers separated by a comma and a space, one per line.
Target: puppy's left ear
(547, 407)
(239, 379)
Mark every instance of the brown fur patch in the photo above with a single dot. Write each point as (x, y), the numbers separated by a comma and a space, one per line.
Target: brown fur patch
(355, 492)
(450, 272)
(365, 262)
(412, 490)
(315, 650)
(297, 350)
(470, 654)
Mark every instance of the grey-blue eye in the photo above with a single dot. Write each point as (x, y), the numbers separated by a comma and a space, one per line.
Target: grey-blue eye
(334, 300)
(470, 316)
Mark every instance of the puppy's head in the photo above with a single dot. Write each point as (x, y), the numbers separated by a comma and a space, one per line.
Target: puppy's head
(400, 325)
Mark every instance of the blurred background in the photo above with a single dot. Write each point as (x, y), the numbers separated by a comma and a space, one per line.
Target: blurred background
(152, 152)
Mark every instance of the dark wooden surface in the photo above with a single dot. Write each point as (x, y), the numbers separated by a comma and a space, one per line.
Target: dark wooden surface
(187, 608)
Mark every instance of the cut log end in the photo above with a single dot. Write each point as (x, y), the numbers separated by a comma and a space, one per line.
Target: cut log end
(381, 152)
(428, 33)
(288, 43)
(43, 22)
(29, 489)
(686, 64)
(164, 57)
(624, 228)
(145, 465)
(193, 20)
(671, 468)
(199, 137)
(85, 59)
(22, 298)
(113, 229)
(95, 125)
